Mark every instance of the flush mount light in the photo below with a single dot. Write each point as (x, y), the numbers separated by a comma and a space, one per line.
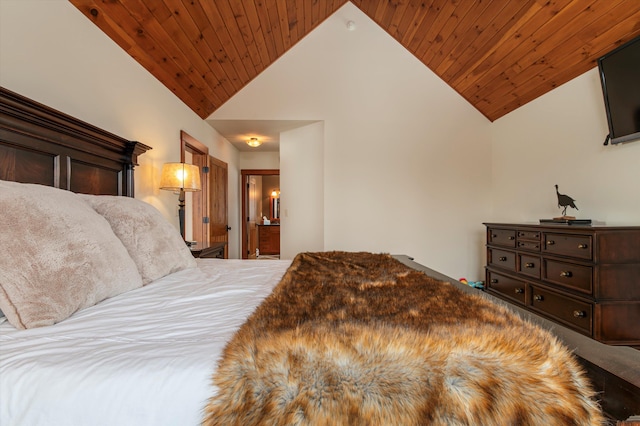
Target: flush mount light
(254, 142)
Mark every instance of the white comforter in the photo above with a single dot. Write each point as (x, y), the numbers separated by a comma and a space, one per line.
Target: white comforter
(141, 358)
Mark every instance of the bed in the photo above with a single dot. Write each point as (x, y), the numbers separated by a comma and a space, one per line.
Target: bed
(110, 320)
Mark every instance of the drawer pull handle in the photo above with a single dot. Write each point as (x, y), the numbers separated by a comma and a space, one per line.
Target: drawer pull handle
(529, 265)
(502, 258)
(519, 290)
(582, 246)
(566, 274)
(494, 236)
(511, 238)
(579, 314)
(494, 281)
(550, 242)
(538, 297)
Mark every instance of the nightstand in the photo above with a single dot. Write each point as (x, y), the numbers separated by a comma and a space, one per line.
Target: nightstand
(215, 249)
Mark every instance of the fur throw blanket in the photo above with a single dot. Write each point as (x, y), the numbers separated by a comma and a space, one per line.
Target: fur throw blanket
(361, 339)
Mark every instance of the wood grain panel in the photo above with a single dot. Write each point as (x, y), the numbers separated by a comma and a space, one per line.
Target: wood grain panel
(91, 179)
(569, 65)
(460, 24)
(531, 64)
(224, 50)
(498, 55)
(192, 19)
(236, 31)
(25, 165)
(478, 43)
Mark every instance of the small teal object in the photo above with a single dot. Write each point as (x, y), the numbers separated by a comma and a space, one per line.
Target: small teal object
(476, 284)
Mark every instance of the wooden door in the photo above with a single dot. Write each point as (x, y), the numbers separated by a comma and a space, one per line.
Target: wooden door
(199, 154)
(218, 220)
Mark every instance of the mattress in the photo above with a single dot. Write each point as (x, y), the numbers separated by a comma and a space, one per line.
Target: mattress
(144, 357)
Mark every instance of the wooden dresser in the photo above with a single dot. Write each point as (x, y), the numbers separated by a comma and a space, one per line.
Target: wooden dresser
(586, 278)
(269, 239)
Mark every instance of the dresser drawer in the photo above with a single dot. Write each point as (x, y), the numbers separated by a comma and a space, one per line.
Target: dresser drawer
(506, 286)
(529, 245)
(529, 265)
(502, 259)
(528, 235)
(569, 275)
(579, 246)
(571, 312)
(502, 237)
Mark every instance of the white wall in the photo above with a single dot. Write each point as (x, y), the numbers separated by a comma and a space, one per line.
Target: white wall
(51, 53)
(258, 160)
(302, 190)
(406, 159)
(558, 139)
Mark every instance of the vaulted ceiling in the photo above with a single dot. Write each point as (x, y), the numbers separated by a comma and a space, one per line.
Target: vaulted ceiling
(498, 54)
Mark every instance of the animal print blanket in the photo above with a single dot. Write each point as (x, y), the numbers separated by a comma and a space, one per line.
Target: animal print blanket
(361, 339)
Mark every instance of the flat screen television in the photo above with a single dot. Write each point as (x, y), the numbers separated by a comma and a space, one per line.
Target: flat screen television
(620, 78)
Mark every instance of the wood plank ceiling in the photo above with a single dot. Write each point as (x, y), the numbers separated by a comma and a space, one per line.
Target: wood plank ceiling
(498, 54)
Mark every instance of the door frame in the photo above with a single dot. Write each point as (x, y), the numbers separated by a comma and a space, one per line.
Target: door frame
(245, 173)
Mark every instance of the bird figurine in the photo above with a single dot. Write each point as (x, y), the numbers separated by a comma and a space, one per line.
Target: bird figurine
(565, 201)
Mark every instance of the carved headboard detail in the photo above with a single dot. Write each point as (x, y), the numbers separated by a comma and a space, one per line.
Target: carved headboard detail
(41, 145)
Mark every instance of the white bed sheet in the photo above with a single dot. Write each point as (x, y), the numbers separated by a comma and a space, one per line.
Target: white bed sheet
(141, 358)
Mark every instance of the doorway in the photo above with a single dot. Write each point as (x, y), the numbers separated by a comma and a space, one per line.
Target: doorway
(195, 152)
(218, 199)
(260, 198)
(206, 211)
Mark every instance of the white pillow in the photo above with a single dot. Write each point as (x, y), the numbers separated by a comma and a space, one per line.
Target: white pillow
(58, 256)
(153, 243)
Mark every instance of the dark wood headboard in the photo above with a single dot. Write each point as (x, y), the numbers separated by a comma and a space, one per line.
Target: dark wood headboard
(41, 145)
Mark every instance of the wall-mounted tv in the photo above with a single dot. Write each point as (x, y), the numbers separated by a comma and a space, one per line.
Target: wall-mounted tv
(620, 78)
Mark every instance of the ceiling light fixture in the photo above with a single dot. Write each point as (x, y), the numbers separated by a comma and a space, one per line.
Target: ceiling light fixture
(254, 142)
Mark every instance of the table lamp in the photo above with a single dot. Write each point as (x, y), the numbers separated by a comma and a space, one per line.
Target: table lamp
(180, 177)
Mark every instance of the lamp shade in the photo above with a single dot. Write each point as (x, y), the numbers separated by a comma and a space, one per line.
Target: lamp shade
(177, 176)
